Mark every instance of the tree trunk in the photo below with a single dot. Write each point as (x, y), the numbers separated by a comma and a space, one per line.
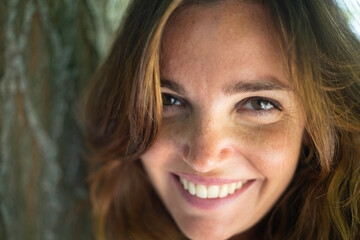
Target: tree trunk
(48, 52)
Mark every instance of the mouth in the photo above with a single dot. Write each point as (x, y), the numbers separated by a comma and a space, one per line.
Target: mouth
(210, 193)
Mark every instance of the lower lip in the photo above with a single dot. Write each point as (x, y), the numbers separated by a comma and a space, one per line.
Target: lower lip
(206, 203)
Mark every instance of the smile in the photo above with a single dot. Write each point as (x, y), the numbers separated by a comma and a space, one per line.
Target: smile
(211, 191)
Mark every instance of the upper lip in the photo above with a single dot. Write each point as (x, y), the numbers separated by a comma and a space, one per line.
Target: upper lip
(206, 180)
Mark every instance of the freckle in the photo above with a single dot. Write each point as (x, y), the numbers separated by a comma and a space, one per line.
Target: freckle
(177, 132)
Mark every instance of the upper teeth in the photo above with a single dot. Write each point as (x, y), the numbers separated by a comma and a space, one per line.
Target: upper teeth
(211, 191)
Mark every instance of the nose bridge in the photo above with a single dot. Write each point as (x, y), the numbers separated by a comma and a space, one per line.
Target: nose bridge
(203, 139)
(205, 147)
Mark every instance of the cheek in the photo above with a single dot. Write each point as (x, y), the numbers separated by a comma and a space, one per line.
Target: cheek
(272, 149)
(163, 154)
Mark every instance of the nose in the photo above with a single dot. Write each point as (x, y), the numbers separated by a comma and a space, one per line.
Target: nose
(207, 145)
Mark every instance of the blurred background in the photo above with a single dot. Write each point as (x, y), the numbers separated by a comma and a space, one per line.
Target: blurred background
(48, 51)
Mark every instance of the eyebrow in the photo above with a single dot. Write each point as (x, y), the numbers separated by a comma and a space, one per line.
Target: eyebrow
(174, 86)
(266, 84)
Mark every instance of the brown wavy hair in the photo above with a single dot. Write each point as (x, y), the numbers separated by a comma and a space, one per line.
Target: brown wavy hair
(122, 117)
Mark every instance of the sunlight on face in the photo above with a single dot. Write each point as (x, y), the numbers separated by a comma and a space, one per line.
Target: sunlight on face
(232, 129)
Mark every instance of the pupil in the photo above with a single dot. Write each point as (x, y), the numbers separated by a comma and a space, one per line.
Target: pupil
(168, 100)
(259, 104)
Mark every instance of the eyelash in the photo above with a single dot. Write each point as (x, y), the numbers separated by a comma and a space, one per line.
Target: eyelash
(239, 106)
(275, 105)
(166, 108)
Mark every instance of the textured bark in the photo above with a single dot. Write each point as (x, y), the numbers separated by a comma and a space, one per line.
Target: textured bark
(48, 51)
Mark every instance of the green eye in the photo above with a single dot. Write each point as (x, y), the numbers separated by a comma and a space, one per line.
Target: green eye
(259, 110)
(259, 104)
(169, 100)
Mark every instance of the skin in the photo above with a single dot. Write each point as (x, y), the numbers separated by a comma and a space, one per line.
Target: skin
(213, 131)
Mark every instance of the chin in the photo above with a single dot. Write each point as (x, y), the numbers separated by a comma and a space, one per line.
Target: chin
(206, 235)
(203, 230)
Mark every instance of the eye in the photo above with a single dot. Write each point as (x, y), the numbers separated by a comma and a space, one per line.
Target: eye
(259, 110)
(172, 106)
(169, 100)
(259, 104)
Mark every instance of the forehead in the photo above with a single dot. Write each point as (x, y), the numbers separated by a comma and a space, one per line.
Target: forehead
(222, 14)
(227, 37)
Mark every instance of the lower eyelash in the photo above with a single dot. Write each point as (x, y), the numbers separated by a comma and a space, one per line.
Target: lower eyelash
(274, 103)
(165, 108)
(257, 113)
(170, 108)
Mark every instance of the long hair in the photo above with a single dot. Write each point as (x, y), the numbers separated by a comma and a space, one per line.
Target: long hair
(123, 109)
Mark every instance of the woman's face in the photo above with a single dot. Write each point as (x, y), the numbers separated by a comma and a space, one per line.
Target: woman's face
(232, 129)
